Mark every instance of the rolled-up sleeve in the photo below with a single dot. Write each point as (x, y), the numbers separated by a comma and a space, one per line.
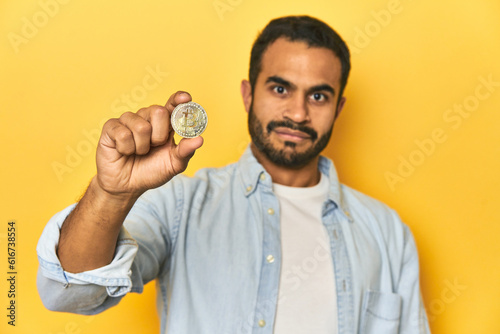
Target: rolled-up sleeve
(142, 252)
(85, 292)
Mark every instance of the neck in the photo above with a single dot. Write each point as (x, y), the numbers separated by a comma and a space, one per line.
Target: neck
(304, 176)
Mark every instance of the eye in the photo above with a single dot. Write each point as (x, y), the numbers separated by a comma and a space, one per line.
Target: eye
(319, 97)
(279, 89)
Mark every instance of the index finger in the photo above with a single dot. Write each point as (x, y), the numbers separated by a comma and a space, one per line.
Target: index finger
(176, 99)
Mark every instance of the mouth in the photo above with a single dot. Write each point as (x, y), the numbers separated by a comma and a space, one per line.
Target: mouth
(291, 135)
(292, 132)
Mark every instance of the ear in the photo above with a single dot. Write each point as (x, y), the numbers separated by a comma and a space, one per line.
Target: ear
(246, 94)
(340, 106)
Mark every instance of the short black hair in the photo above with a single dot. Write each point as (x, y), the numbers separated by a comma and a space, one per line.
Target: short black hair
(306, 29)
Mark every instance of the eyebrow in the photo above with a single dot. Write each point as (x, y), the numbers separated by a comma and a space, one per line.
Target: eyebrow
(288, 84)
(280, 81)
(323, 87)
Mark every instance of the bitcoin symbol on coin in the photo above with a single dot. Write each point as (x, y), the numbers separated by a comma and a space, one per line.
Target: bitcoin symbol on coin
(189, 120)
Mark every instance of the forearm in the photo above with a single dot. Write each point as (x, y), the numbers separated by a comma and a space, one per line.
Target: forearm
(89, 234)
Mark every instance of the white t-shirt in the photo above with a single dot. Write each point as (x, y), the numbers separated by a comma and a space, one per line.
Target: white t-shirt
(307, 299)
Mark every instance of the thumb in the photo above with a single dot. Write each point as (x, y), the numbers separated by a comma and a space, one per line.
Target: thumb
(186, 148)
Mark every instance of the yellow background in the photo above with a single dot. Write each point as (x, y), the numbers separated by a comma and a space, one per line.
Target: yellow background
(413, 63)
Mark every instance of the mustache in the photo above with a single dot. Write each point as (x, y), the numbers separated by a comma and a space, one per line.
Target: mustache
(294, 126)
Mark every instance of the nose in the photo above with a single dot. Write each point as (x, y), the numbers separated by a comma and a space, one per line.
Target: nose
(297, 110)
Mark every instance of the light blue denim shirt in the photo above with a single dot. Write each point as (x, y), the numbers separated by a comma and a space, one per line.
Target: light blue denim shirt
(206, 240)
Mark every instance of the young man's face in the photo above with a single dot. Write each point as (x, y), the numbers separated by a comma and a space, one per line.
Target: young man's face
(294, 103)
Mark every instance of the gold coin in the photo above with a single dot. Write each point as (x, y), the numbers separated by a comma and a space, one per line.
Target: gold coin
(189, 120)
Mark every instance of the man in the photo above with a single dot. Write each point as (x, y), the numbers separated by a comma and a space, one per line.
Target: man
(270, 244)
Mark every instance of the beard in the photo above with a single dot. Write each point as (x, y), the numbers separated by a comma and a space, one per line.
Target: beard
(285, 157)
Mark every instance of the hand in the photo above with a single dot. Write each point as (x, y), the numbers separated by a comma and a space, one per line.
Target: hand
(137, 151)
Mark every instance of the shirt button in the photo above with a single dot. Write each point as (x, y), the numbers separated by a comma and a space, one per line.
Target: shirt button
(347, 213)
(270, 211)
(262, 323)
(335, 235)
(249, 188)
(270, 258)
(262, 177)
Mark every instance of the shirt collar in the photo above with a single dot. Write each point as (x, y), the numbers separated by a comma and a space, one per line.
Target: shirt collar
(253, 175)
(250, 171)
(335, 193)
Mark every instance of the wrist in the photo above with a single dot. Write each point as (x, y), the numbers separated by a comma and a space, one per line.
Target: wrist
(112, 200)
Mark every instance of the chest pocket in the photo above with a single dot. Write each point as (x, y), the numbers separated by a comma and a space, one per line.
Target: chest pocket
(381, 313)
